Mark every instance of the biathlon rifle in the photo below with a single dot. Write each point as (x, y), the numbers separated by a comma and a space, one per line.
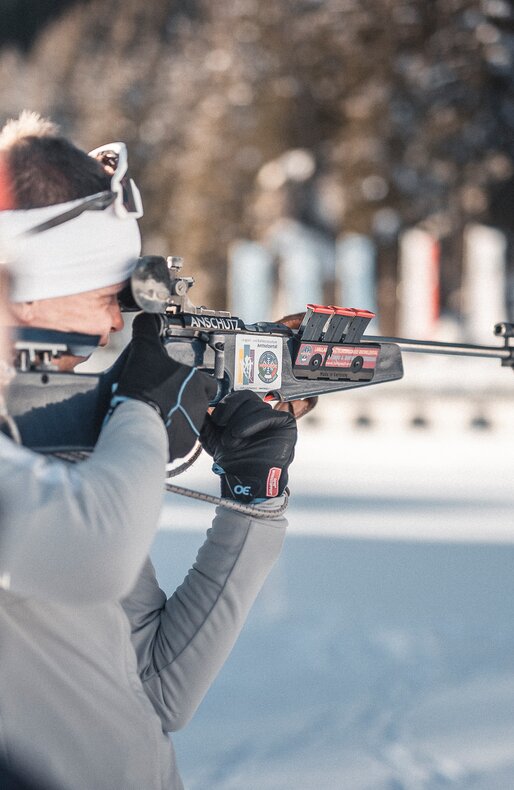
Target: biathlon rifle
(59, 411)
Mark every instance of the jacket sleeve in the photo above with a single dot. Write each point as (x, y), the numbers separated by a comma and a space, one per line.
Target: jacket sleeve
(182, 643)
(79, 534)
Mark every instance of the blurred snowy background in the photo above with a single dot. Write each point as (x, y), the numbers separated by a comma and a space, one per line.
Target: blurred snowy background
(380, 654)
(358, 154)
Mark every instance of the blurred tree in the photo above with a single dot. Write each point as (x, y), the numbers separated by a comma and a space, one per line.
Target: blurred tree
(22, 20)
(405, 110)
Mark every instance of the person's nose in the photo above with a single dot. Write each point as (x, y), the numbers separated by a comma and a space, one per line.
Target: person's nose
(117, 322)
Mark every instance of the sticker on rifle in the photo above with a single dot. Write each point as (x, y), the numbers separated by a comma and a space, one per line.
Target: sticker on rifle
(258, 363)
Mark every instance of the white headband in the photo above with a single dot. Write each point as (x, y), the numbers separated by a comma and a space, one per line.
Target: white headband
(93, 250)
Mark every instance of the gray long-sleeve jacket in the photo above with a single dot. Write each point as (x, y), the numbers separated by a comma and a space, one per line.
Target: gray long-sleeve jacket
(96, 666)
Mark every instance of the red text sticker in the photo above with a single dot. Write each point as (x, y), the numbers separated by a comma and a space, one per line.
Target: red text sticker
(272, 481)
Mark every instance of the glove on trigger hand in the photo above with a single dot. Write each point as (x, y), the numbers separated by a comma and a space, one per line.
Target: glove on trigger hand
(179, 393)
(252, 446)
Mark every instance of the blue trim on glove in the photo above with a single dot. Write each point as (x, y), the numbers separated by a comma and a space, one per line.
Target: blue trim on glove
(178, 406)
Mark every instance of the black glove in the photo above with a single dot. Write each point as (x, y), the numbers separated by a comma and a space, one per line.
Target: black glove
(252, 446)
(179, 393)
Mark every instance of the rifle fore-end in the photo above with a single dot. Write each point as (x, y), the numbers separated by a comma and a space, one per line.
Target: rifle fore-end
(273, 361)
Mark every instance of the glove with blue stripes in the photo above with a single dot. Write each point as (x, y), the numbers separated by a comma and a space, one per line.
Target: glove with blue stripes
(180, 394)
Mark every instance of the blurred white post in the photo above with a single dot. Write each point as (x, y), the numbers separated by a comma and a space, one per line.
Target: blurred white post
(484, 281)
(356, 274)
(250, 281)
(306, 261)
(419, 284)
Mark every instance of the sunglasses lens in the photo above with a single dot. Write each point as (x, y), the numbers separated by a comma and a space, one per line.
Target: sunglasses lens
(114, 161)
(129, 199)
(109, 159)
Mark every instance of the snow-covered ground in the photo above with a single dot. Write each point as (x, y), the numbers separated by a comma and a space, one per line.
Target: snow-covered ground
(380, 654)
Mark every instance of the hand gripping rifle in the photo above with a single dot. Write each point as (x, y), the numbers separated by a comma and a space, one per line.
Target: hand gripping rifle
(57, 411)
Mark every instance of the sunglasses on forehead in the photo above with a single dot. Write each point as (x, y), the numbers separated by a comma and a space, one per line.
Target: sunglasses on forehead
(127, 200)
(124, 195)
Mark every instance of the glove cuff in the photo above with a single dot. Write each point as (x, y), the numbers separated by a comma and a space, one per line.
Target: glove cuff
(267, 483)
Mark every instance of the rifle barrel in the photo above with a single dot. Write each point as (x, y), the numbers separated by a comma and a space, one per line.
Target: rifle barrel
(435, 347)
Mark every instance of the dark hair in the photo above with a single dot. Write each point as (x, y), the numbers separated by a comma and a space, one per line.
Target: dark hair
(49, 170)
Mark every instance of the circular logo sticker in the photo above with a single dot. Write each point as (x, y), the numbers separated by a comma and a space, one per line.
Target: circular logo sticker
(268, 367)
